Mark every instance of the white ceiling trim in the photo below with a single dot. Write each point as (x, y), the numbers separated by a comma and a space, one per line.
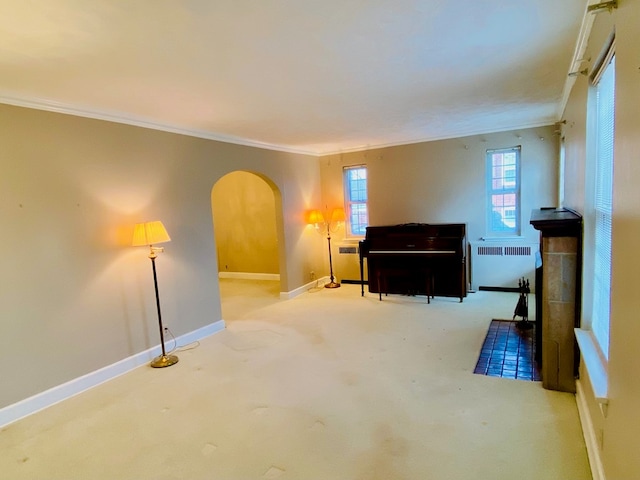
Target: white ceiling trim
(58, 107)
(117, 117)
(459, 134)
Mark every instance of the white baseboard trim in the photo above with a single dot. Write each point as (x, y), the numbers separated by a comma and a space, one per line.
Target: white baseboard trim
(59, 393)
(249, 275)
(304, 288)
(590, 438)
(274, 276)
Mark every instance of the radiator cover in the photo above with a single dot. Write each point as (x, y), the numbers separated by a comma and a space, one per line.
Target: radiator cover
(500, 264)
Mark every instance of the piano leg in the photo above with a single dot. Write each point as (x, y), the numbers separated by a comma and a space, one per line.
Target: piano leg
(361, 273)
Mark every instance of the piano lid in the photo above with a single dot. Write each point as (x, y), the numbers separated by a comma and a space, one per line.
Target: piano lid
(423, 229)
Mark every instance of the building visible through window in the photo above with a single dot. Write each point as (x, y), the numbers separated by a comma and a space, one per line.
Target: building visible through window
(503, 192)
(355, 196)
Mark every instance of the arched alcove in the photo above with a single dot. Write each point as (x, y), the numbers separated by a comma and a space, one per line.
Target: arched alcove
(248, 229)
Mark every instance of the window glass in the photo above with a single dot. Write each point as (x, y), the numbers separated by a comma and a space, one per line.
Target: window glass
(603, 203)
(503, 192)
(355, 194)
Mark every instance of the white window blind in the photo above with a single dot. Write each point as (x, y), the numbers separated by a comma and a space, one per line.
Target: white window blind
(605, 128)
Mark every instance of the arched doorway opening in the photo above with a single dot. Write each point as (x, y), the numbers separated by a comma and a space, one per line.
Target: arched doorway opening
(248, 230)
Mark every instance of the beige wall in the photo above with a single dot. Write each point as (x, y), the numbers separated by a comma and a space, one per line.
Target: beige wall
(444, 182)
(74, 296)
(244, 214)
(617, 431)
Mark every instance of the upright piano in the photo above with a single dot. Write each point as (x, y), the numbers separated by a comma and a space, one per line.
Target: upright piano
(416, 259)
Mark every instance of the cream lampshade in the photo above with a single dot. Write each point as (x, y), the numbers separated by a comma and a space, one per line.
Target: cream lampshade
(315, 218)
(337, 215)
(149, 233)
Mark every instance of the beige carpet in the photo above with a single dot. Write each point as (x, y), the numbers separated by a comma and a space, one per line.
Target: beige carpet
(328, 385)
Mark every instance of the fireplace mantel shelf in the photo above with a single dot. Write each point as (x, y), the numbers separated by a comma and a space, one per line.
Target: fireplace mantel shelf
(556, 221)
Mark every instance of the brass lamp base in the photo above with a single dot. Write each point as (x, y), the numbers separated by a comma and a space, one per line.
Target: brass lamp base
(164, 361)
(331, 285)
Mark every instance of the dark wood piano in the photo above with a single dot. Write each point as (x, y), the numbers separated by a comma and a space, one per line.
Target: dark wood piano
(416, 259)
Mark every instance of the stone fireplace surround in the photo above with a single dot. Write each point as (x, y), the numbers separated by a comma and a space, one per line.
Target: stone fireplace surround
(558, 293)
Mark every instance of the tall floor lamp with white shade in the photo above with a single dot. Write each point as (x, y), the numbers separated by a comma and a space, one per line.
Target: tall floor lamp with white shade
(150, 234)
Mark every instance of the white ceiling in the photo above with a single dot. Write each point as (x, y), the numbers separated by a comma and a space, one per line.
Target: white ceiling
(298, 75)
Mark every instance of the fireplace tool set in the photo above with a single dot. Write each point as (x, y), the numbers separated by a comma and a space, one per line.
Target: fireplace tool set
(522, 307)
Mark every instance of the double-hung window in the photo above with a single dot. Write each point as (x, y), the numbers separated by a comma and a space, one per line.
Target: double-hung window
(604, 84)
(503, 192)
(355, 198)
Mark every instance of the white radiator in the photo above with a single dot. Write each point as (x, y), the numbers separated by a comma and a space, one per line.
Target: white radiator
(500, 264)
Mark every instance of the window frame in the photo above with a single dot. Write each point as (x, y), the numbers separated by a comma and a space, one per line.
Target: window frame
(594, 356)
(601, 205)
(350, 202)
(492, 192)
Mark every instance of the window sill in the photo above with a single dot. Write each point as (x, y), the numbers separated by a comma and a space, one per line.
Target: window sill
(594, 364)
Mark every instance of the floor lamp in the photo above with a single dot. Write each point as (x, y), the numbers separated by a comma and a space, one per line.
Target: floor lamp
(152, 233)
(337, 217)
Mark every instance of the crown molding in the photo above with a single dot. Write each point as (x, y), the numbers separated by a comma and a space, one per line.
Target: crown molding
(451, 136)
(118, 117)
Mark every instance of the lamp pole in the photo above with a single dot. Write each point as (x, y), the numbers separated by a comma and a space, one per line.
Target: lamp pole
(332, 283)
(163, 360)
